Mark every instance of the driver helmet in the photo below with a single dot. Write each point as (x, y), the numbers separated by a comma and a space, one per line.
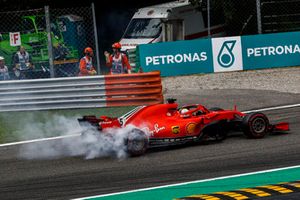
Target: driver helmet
(184, 110)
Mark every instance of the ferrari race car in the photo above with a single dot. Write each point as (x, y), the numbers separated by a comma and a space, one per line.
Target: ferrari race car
(167, 124)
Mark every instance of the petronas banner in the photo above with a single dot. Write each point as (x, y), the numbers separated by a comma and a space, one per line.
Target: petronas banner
(271, 50)
(221, 54)
(176, 58)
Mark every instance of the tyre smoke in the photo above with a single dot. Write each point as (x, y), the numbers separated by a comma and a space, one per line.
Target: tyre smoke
(87, 142)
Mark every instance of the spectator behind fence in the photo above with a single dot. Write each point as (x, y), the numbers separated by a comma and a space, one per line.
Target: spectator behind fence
(118, 62)
(60, 52)
(86, 63)
(23, 65)
(4, 75)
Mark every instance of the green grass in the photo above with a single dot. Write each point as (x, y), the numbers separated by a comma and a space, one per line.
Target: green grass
(18, 126)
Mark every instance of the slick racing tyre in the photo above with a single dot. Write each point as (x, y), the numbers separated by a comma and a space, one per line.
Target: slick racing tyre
(137, 142)
(255, 125)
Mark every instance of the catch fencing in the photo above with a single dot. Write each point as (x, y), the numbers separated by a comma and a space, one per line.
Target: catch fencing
(247, 17)
(54, 38)
(81, 92)
(280, 15)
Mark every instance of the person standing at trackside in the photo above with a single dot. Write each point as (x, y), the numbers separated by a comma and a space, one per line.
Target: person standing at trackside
(4, 75)
(86, 63)
(118, 62)
(22, 63)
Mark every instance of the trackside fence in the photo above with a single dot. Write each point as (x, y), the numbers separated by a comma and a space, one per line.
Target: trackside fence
(81, 92)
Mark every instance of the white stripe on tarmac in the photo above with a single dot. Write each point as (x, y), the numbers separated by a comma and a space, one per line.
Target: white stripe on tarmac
(75, 135)
(273, 108)
(190, 182)
(39, 140)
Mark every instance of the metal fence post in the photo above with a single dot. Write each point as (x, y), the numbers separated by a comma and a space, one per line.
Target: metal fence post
(258, 13)
(208, 18)
(50, 48)
(96, 39)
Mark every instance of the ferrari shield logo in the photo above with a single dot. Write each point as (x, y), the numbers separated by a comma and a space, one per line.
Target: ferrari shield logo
(190, 128)
(175, 129)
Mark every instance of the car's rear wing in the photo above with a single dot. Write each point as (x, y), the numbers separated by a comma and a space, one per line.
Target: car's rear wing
(89, 119)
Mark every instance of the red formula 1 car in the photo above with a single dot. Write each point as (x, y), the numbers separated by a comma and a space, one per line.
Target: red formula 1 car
(167, 124)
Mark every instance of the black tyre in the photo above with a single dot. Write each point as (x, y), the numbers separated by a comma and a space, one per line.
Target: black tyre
(137, 142)
(216, 109)
(255, 125)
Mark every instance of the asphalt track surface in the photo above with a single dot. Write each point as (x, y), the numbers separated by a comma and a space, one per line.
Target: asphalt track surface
(72, 177)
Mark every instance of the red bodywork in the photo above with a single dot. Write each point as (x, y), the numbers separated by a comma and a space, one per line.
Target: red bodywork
(166, 124)
(166, 121)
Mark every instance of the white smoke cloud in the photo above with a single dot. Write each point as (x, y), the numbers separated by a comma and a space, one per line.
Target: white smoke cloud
(91, 144)
(37, 126)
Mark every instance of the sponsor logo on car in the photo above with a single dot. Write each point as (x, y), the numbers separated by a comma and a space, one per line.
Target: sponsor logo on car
(175, 129)
(156, 129)
(105, 122)
(190, 128)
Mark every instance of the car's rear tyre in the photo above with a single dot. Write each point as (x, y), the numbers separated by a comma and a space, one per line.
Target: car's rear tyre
(137, 142)
(255, 125)
(216, 109)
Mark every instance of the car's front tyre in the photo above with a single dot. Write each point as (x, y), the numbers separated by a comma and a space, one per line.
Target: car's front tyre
(255, 125)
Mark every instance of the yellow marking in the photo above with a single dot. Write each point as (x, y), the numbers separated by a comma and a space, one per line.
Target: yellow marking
(277, 188)
(256, 192)
(234, 195)
(206, 197)
(297, 185)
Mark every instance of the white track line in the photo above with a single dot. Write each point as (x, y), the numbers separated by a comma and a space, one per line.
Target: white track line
(39, 140)
(190, 182)
(75, 135)
(273, 108)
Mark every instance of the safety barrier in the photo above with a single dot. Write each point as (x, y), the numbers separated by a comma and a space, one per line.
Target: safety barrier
(223, 54)
(81, 92)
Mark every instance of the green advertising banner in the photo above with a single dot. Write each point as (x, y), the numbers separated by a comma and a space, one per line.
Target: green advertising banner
(177, 58)
(271, 50)
(222, 54)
